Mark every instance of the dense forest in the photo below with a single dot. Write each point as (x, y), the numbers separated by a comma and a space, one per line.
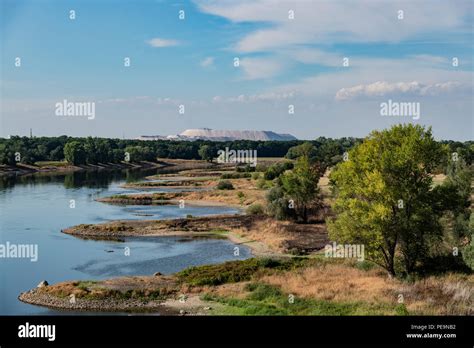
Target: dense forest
(102, 150)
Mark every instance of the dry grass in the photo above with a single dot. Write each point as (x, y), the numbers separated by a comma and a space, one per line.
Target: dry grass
(333, 282)
(268, 232)
(283, 236)
(251, 195)
(233, 290)
(451, 294)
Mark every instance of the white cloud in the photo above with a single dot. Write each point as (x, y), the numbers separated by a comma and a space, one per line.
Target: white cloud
(333, 21)
(158, 42)
(382, 88)
(432, 77)
(263, 97)
(207, 62)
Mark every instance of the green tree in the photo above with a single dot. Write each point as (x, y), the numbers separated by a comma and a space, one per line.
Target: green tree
(301, 186)
(385, 198)
(74, 153)
(140, 153)
(306, 149)
(206, 152)
(278, 205)
(275, 170)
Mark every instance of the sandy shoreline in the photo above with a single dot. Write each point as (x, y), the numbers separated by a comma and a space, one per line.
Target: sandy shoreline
(218, 226)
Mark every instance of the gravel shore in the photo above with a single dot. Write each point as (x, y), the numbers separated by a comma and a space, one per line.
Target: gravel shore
(36, 297)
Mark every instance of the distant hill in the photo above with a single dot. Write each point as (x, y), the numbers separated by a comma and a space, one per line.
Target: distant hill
(222, 135)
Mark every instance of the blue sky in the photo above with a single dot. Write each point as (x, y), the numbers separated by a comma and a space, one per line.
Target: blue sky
(189, 62)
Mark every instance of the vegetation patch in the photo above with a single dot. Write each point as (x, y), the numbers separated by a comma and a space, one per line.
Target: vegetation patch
(236, 175)
(264, 299)
(225, 185)
(236, 271)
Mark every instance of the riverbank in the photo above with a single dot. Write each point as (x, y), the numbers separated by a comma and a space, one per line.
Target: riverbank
(244, 193)
(64, 167)
(266, 286)
(24, 169)
(264, 235)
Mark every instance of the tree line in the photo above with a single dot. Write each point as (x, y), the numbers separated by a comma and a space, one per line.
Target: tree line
(92, 150)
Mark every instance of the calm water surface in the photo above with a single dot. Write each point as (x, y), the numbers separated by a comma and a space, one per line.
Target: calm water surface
(34, 209)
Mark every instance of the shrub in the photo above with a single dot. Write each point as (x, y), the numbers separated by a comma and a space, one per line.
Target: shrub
(225, 185)
(247, 168)
(263, 184)
(275, 170)
(255, 209)
(278, 205)
(235, 271)
(235, 175)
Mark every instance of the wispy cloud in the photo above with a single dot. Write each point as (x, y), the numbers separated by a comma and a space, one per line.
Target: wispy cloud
(337, 21)
(207, 62)
(383, 88)
(263, 97)
(159, 42)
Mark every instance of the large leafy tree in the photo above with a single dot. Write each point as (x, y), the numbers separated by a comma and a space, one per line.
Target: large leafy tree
(384, 196)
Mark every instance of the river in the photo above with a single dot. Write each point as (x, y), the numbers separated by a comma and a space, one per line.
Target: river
(34, 209)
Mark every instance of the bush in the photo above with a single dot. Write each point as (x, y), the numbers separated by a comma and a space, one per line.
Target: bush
(247, 168)
(235, 175)
(225, 185)
(255, 175)
(263, 184)
(468, 254)
(278, 205)
(275, 170)
(255, 209)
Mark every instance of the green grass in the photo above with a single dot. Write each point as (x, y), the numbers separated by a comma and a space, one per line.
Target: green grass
(265, 299)
(51, 164)
(102, 292)
(85, 285)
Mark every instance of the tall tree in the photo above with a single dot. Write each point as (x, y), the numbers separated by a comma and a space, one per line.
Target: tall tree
(384, 196)
(301, 186)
